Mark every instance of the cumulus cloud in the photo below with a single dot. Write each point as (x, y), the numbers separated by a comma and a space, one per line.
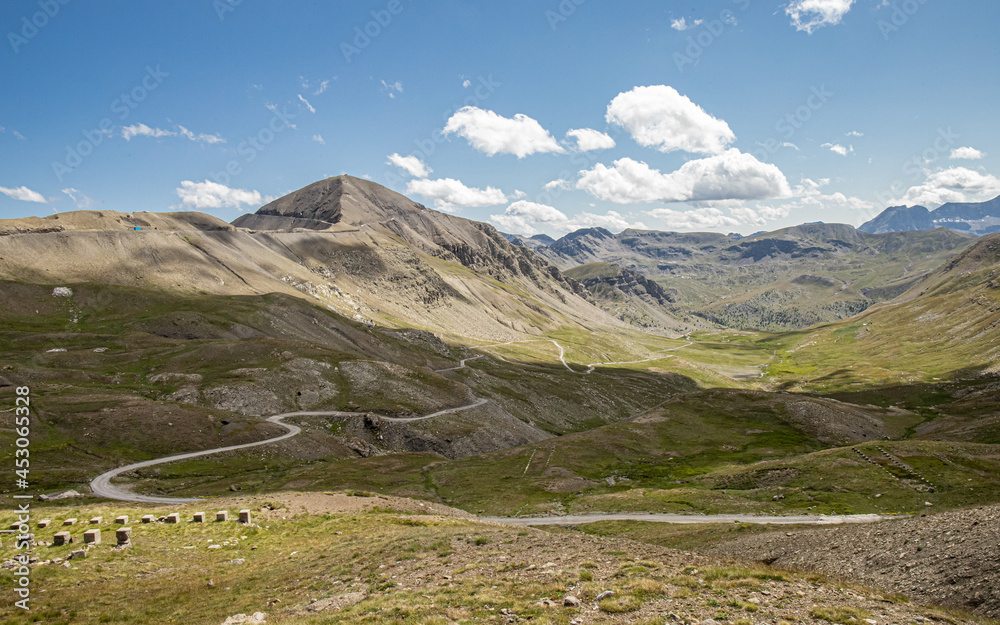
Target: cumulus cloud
(491, 133)
(682, 24)
(659, 117)
(306, 102)
(808, 15)
(24, 194)
(208, 194)
(730, 175)
(81, 200)
(319, 139)
(449, 194)
(967, 153)
(466, 83)
(410, 164)
(523, 217)
(836, 148)
(142, 130)
(589, 139)
(957, 184)
(855, 133)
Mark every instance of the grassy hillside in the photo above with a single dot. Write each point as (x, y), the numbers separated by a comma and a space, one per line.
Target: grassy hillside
(356, 559)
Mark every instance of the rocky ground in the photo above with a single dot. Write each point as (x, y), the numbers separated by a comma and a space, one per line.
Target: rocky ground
(951, 558)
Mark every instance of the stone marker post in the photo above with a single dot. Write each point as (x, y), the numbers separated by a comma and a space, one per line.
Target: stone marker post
(92, 537)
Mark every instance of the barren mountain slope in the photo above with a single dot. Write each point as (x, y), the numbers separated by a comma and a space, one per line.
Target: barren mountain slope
(381, 258)
(938, 558)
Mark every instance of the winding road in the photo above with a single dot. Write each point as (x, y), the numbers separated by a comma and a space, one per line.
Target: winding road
(102, 486)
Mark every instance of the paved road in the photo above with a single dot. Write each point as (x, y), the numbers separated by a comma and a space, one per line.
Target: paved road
(102, 486)
(695, 518)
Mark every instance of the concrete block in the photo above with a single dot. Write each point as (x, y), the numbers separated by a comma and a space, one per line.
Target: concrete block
(14, 526)
(122, 520)
(199, 517)
(92, 537)
(148, 518)
(222, 515)
(69, 522)
(173, 517)
(76, 555)
(124, 536)
(45, 523)
(97, 520)
(245, 517)
(62, 538)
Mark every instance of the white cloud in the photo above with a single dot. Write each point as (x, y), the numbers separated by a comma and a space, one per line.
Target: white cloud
(730, 175)
(323, 86)
(13, 132)
(142, 130)
(519, 194)
(682, 24)
(696, 219)
(410, 164)
(660, 117)
(855, 133)
(836, 148)
(208, 194)
(787, 144)
(967, 153)
(808, 15)
(466, 83)
(81, 200)
(24, 194)
(492, 134)
(319, 139)
(392, 88)
(450, 194)
(521, 217)
(524, 217)
(589, 139)
(201, 136)
(957, 184)
(561, 183)
(309, 106)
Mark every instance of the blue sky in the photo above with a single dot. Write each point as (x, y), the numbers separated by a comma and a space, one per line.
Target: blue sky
(542, 116)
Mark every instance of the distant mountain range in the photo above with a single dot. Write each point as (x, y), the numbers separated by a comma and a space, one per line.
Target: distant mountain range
(787, 279)
(976, 218)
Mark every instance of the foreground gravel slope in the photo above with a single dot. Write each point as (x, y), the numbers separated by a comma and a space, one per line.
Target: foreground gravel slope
(951, 558)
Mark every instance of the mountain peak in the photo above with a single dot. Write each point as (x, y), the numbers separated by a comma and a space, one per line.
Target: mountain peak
(329, 203)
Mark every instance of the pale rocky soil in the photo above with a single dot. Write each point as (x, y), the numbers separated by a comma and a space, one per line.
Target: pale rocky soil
(951, 558)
